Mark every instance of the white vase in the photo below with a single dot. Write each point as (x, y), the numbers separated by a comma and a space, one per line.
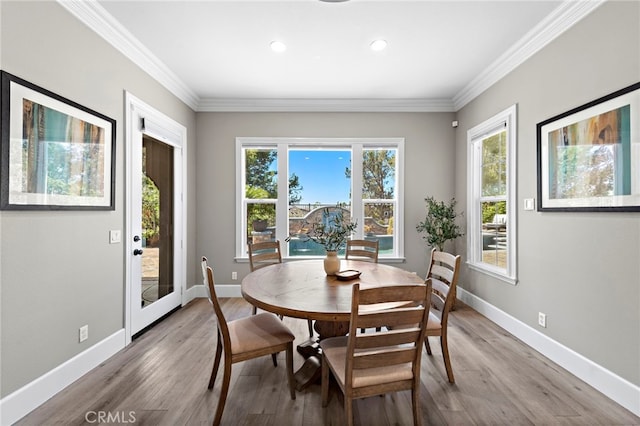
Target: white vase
(331, 263)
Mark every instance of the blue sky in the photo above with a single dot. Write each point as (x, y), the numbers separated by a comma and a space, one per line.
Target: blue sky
(321, 175)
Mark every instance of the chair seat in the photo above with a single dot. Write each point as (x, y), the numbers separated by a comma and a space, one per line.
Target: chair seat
(257, 332)
(433, 324)
(335, 351)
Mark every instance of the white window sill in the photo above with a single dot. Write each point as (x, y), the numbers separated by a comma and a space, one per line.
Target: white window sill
(493, 272)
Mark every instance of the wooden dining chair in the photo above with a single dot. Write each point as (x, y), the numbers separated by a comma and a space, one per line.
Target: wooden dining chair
(375, 363)
(443, 272)
(243, 339)
(264, 254)
(362, 250)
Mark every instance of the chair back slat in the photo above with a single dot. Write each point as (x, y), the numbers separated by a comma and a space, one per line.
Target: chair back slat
(442, 272)
(264, 254)
(362, 249)
(395, 318)
(377, 359)
(388, 338)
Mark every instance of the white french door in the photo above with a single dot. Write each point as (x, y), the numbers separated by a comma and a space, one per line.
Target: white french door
(154, 239)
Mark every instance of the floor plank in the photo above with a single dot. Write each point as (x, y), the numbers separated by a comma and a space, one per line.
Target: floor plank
(162, 377)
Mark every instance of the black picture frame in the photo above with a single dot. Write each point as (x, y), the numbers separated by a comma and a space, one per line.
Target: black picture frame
(588, 158)
(55, 154)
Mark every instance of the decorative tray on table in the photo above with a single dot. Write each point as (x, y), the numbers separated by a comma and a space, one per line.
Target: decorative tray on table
(347, 274)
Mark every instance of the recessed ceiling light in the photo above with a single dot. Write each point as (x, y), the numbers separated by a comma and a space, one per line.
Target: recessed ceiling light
(378, 45)
(333, 1)
(278, 46)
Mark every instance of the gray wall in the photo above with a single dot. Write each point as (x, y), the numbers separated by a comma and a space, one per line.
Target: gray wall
(429, 159)
(57, 269)
(581, 269)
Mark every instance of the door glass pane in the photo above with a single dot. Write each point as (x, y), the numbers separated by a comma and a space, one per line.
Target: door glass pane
(494, 233)
(157, 220)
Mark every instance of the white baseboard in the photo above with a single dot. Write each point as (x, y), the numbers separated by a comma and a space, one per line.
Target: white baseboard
(222, 290)
(613, 386)
(24, 400)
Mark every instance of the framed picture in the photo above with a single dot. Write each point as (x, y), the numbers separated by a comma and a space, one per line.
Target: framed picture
(55, 153)
(589, 157)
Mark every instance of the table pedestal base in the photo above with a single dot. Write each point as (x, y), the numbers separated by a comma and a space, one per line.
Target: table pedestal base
(310, 371)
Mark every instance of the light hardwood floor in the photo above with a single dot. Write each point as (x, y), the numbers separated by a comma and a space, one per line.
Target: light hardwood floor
(161, 379)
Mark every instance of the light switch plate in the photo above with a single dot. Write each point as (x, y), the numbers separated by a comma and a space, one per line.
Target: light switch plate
(529, 203)
(114, 237)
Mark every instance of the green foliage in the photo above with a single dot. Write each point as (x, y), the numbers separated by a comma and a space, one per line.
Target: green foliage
(150, 208)
(439, 224)
(331, 231)
(294, 189)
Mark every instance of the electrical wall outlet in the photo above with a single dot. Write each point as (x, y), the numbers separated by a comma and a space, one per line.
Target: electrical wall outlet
(234, 275)
(84, 333)
(542, 319)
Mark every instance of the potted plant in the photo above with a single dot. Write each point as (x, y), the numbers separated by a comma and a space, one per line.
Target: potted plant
(330, 231)
(439, 226)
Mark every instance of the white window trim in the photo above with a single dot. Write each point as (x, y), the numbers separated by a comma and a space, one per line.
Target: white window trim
(508, 117)
(357, 145)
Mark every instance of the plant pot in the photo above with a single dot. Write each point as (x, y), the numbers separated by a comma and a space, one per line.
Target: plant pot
(331, 263)
(260, 225)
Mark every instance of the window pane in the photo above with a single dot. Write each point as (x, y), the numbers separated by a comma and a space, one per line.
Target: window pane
(378, 225)
(323, 176)
(261, 173)
(494, 165)
(261, 222)
(301, 220)
(378, 174)
(494, 233)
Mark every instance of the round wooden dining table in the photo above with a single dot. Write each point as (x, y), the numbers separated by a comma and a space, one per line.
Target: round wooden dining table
(302, 289)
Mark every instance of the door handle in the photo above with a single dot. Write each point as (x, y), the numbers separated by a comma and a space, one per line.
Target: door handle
(137, 252)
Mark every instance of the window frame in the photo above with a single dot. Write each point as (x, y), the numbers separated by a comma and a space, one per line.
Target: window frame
(506, 119)
(283, 145)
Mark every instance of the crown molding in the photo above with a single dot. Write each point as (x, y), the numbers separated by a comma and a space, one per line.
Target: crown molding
(557, 22)
(553, 25)
(325, 105)
(100, 21)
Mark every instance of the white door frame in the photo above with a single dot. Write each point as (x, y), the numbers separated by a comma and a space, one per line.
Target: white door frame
(140, 119)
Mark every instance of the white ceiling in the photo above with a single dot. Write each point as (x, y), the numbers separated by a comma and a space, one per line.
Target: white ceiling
(215, 54)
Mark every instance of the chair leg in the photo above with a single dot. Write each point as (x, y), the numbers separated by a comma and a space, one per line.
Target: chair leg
(216, 363)
(415, 403)
(254, 310)
(447, 360)
(292, 383)
(426, 345)
(348, 410)
(223, 392)
(274, 358)
(324, 383)
(310, 325)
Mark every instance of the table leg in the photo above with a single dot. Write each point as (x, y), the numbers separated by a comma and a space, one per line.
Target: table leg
(310, 371)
